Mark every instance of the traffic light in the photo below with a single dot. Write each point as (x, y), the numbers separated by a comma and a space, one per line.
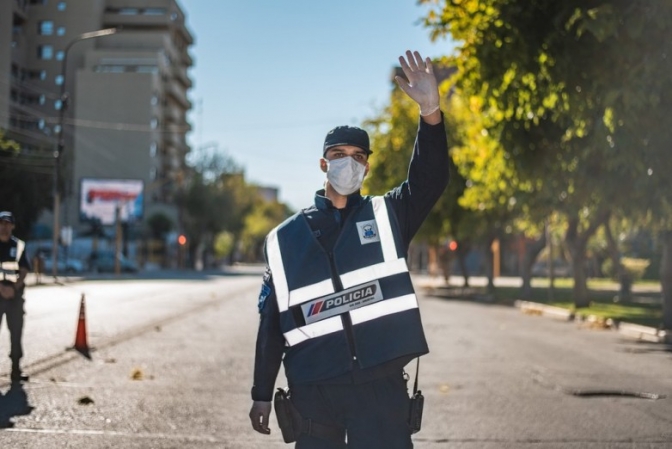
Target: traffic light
(182, 240)
(452, 245)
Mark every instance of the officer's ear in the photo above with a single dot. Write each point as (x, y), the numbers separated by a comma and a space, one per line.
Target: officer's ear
(323, 165)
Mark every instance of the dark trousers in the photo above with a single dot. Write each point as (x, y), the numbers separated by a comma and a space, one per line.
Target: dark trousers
(374, 414)
(13, 310)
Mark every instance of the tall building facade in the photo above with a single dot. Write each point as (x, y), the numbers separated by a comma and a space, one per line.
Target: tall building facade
(124, 112)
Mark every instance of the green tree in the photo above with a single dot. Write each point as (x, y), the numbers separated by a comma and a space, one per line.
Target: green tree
(216, 199)
(581, 87)
(264, 216)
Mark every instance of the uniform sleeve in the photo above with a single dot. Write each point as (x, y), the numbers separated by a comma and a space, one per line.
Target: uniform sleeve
(270, 343)
(428, 174)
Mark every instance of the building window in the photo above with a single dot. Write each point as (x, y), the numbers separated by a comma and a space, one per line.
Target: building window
(109, 69)
(154, 123)
(58, 104)
(128, 11)
(155, 100)
(60, 31)
(154, 11)
(42, 100)
(41, 123)
(147, 69)
(61, 6)
(152, 149)
(45, 52)
(34, 75)
(58, 80)
(38, 2)
(45, 27)
(59, 55)
(153, 173)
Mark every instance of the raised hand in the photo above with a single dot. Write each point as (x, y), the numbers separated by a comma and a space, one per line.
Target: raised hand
(421, 85)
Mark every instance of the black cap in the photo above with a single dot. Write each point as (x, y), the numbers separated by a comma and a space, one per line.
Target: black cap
(7, 216)
(347, 135)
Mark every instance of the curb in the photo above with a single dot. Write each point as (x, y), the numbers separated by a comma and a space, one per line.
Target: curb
(644, 333)
(629, 330)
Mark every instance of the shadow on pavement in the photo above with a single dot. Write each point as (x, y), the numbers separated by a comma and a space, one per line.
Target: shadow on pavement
(14, 402)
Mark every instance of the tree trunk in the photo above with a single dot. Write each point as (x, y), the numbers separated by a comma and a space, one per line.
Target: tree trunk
(444, 262)
(625, 291)
(576, 244)
(490, 261)
(666, 279)
(531, 253)
(432, 263)
(462, 251)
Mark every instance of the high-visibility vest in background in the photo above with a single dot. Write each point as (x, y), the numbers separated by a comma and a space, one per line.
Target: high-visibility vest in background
(9, 269)
(364, 281)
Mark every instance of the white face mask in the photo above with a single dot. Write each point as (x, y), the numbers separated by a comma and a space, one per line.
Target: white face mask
(345, 175)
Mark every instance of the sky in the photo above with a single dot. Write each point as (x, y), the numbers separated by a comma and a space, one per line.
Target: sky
(272, 77)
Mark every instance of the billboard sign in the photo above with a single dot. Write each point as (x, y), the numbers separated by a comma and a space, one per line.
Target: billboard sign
(99, 199)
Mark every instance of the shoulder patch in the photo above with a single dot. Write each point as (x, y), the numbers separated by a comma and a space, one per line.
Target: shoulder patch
(263, 295)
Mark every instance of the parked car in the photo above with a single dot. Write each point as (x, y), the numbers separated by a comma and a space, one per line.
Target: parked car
(104, 262)
(561, 269)
(63, 265)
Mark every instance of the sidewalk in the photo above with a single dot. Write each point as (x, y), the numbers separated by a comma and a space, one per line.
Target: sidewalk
(437, 286)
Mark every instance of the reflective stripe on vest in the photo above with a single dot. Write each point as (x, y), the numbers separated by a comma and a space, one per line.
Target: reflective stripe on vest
(391, 265)
(387, 307)
(303, 333)
(10, 269)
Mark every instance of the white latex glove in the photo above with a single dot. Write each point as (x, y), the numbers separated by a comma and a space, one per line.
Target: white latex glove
(421, 85)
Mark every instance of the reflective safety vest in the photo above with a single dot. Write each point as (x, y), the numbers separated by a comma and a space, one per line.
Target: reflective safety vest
(10, 269)
(365, 279)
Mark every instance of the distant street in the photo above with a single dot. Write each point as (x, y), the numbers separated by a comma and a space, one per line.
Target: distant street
(173, 359)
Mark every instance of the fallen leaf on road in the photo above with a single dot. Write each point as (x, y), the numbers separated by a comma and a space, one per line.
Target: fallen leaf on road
(85, 400)
(137, 374)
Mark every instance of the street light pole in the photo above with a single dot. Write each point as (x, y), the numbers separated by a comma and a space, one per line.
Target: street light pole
(60, 140)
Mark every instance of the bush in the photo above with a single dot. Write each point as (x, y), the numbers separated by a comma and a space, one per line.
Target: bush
(635, 267)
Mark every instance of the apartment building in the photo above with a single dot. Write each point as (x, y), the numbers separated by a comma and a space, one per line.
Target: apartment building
(126, 93)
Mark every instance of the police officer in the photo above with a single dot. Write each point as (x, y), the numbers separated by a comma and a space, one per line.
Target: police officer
(337, 304)
(14, 267)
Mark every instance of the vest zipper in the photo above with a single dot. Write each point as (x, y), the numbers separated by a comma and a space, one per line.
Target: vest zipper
(345, 317)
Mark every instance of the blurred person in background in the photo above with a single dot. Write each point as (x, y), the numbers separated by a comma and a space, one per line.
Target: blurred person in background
(14, 268)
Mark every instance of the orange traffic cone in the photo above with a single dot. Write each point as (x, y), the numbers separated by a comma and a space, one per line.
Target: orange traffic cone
(80, 338)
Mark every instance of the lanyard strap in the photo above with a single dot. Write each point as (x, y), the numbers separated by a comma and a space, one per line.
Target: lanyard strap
(417, 371)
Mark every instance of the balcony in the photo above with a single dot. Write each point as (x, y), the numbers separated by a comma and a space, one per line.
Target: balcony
(180, 74)
(178, 93)
(173, 114)
(21, 9)
(115, 19)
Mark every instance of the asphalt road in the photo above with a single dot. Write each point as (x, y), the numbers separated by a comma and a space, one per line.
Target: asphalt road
(173, 359)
